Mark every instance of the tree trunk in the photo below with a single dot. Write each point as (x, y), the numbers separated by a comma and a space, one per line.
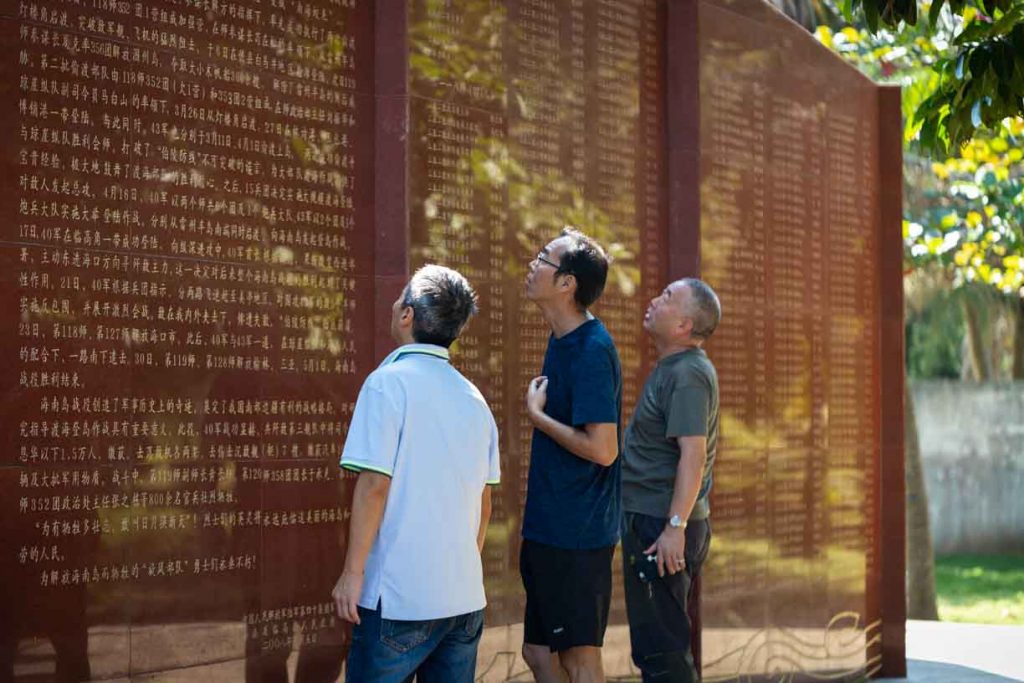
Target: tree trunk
(976, 366)
(1017, 369)
(920, 556)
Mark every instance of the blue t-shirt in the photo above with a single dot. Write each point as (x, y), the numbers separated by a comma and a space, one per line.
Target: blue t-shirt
(571, 502)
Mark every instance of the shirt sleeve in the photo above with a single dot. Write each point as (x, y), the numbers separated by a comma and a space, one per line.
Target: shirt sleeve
(374, 432)
(493, 457)
(687, 413)
(594, 395)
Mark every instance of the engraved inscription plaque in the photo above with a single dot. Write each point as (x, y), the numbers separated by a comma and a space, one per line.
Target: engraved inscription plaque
(187, 256)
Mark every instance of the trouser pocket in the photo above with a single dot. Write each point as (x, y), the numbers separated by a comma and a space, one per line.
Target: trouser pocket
(655, 605)
(403, 636)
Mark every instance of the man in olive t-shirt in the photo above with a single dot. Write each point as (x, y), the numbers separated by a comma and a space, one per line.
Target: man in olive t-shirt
(667, 458)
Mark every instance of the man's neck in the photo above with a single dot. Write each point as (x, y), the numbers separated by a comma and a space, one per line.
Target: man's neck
(402, 339)
(563, 320)
(668, 347)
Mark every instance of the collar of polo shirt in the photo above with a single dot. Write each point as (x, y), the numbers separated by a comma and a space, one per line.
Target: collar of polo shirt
(416, 349)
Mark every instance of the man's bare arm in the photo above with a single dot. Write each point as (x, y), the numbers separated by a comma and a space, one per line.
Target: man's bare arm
(367, 512)
(485, 517)
(693, 451)
(368, 502)
(671, 544)
(597, 442)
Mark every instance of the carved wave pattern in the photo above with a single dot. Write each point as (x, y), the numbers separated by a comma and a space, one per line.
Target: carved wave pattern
(839, 652)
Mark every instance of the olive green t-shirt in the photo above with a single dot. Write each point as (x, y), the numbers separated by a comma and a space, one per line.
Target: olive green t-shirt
(680, 398)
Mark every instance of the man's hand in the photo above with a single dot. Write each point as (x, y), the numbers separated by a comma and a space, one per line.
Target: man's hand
(346, 596)
(670, 548)
(536, 396)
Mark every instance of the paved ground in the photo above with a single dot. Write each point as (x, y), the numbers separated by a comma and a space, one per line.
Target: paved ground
(941, 652)
(938, 652)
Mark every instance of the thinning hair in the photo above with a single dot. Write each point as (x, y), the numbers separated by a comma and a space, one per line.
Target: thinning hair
(585, 260)
(442, 301)
(706, 309)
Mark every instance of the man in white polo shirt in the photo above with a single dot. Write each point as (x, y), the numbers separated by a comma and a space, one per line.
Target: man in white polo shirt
(426, 448)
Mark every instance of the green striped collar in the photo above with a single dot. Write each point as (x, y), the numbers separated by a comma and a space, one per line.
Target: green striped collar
(416, 349)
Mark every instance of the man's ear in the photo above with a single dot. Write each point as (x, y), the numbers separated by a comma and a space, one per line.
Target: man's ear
(406, 317)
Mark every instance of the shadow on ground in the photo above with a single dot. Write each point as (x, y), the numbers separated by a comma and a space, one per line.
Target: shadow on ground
(938, 672)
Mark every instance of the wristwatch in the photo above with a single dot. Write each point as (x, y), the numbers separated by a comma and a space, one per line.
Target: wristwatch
(677, 522)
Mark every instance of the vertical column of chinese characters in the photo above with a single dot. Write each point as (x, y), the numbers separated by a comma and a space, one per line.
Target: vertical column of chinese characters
(613, 96)
(67, 422)
(546, 108)
(651, 197)
(850, 517)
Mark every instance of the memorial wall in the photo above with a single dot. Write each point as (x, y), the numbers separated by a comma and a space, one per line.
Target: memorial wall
(209, 205)
(790, 212)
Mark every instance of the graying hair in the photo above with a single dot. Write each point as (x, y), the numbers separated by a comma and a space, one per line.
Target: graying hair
(707, 309)
(442, 301)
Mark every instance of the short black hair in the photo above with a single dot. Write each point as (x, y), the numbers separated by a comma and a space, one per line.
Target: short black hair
(442, 301)
(585, 260)
(707, 309)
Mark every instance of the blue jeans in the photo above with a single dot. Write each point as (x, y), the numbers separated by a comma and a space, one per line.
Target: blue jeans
(435, 651)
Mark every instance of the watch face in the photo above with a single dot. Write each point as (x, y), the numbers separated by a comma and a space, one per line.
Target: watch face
(675, 521)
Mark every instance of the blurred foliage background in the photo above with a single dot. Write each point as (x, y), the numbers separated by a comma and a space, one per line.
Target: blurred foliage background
(963, 226)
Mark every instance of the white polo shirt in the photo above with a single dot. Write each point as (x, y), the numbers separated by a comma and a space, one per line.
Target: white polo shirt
(419, 421)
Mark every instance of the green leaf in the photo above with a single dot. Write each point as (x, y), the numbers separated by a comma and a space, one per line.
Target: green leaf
(847, 9)
(978, 61)
(893, 10)
(927, 135)
(1009, 20)
(935, 11)
(871, 14)
(942, 137)
(1002, 61)
(952, 130)
(958, 97)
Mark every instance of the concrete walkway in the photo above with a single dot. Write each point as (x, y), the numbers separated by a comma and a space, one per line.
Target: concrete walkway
(943, 652)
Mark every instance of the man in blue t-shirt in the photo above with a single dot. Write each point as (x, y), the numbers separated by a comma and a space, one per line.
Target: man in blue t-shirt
(571, 522)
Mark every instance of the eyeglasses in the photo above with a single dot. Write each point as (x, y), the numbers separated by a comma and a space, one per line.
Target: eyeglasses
(543, 259)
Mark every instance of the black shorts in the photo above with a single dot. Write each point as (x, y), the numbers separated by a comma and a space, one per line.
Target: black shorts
(568, 595)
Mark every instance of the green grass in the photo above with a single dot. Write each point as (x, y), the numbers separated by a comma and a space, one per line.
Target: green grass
(983, 589)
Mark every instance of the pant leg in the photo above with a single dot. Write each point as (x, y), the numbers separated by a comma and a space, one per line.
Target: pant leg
(454, 658)
(659, 627)
(389, 651)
